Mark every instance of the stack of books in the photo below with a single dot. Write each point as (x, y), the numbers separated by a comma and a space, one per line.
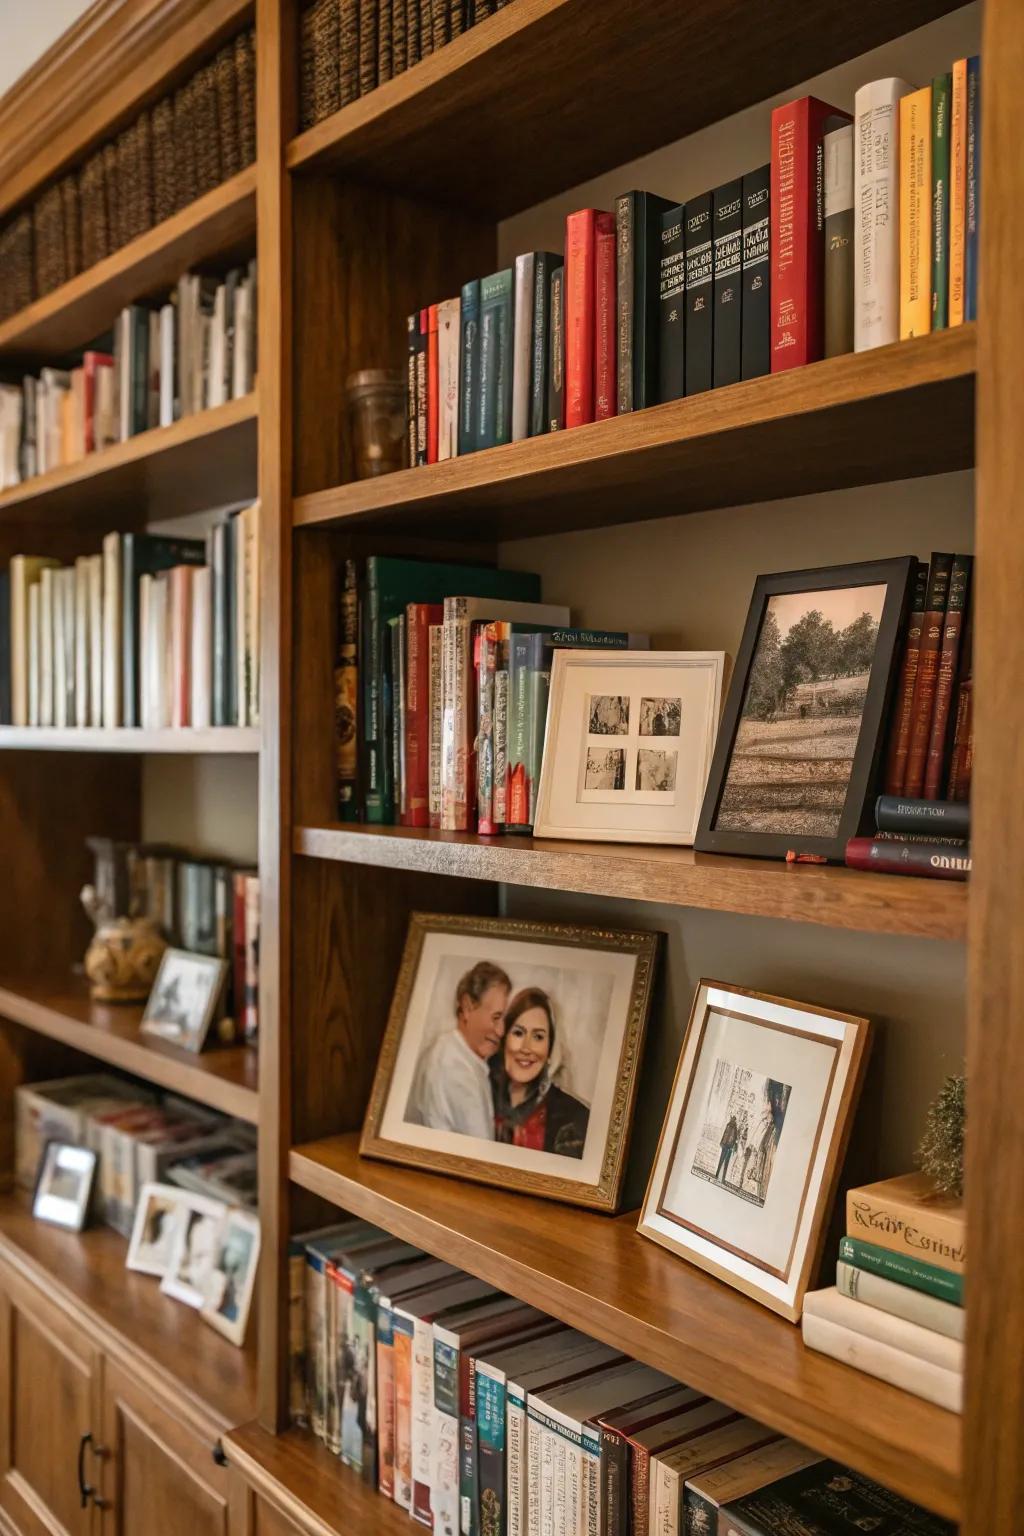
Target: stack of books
(896, 1310)
(154, 632)
(477, 1413)
(916, 837)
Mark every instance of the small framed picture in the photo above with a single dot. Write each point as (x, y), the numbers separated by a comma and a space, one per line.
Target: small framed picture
(629, 742)
(155, 1229)
(231, 1277)
(802, 734)
(753, 1141)
(193, 1248)
(185, 998)
(64, 1185)
(511, 1055)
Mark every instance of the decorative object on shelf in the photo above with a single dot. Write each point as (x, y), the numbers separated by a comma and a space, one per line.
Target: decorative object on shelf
(753, 1141)
(629, 741)
(196, 1236)
(798, 752)
(232, 1276)
(155, 1230)
(126, 949)
(376, 410)
(185, 998)
(511, 1054)
(64, 1186)
(941, 1152)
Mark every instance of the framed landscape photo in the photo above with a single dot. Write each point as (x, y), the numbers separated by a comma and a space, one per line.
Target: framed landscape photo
(512, 1053)
(802, 734)
(185, 998)
(64, 1185)
(753, 1140)
(629, 742)
(231, 1277)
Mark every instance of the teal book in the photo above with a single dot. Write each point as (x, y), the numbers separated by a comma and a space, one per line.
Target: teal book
(490, 1438)
(494, 423)
(469, 367)
(942, 93)
(929, 1278)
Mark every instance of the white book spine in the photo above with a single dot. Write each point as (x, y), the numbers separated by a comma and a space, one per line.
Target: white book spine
(935, 1385)
(887, 1329)
(32, 716)
(876, 228)
(82, 641)
(167, 365)
(567, 1468)
(146, 652)
(252, 614)
(901, 1300)
(218, 336)
(548, 1477)
(445, 1479)
(516, 1462)
(448, 378)
(112, 630)
(202, 655)
(590, 1514)
(47, 621)
(95, 711)
(60, 653)
(241, 544)
(423, 1404)
(240, 382)
(522, 345)
(534, 1475)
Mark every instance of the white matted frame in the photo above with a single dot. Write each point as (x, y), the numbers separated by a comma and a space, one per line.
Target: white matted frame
(231, 1279)
(629, 743)
(188, 1271)
(753, 1140)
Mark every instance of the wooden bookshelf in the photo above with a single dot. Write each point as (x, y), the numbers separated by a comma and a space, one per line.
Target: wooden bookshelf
(216, 741)
(306, 1483)
(806, 893)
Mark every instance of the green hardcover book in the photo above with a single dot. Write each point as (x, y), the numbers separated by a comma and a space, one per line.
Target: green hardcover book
(495, 397)
(897, 1266)
(942, 89)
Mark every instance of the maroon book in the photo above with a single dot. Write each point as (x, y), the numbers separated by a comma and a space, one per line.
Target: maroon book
(418, 619)
(605, 321)
(946, 676)
(899, 856)
(899, 732)
(939, 572)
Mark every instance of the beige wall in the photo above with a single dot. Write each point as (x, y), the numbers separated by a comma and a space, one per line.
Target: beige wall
(27, 29)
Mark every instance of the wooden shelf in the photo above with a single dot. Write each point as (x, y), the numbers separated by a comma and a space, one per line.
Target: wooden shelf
(218, 740)
(205, 460)
(809, 893)
(158, 1338)
(218, 225)
(597, 1273)
(552, 92)
(306, 1483)
(224, 1079)
(889, 414)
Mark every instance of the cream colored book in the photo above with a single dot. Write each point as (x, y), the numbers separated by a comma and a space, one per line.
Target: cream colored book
(916, 213)
(26, 572)
(876, 244)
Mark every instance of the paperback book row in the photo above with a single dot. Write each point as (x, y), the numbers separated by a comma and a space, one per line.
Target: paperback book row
(154, 632)
(196, 351)
(896, 1309)
(821, 251)
(481, 1416)
(186, 144)
(349, 47)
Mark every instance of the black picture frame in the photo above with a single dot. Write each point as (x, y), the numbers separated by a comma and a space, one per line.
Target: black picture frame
(896, 575)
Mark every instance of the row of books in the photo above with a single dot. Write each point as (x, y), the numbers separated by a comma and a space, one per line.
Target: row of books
(480, 1415)
(170, 154)
(139, 1137)
(349, 47)
(916, 837)
(196, 351)
(896, 1310)
(154, 631)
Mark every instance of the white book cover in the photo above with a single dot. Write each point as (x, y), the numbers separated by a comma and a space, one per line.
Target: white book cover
(901, 1300)
(240, 554)
(202, 653)
(167, 351)
(33, 655)
(887, 1329)
(522, 344)
(217, 343)
(885, 1361)
(95, 578)
(42, 463)
(160, 603)
(837, 149)
(64, 648)
(252, 614)
(241, 380)
(123, 355)
(81, 579)
(145, 658)
(25, 572)
(448, 378)
(876, 204)
(713, 1439)
(47, 663)
(112, 630)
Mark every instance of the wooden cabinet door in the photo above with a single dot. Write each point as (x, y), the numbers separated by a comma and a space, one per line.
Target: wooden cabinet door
(267, 1521)
(49, 1399)
(159, 1475)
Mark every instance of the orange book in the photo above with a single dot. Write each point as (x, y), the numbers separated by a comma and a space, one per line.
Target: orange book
(908, 1215)
(916, 213)
(958, 193)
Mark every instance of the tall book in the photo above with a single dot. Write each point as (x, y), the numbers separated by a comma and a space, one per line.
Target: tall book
(545, 263)
(797, 229)
(223, 607)
(940, 571)
(412, 345)
(972, 196)
(876, 272)
(346, 694)
(699, 317)
(615, 1431)
(522, 343)
(142, 553)
(638, 227)
(958, 192)
(942, 93)
(727, 236)
(580, 284)
(605, 337)
(755, 345)
(672, 307)
(838, 154)
(180, 632)
(946, 676)
(81, 645)
(910, 1216)
(25, 573)
(422, 388)
(494, 421)
(201, 639)
(903, 710)
(5, 646)
(556, 352)
(448, 345)
(113, 662)
(469, 366)
(433, 423)
(916, 213)
(419, 617)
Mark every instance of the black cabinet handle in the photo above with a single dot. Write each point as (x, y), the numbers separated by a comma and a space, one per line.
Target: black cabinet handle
(219, 1455)
(84, 1490)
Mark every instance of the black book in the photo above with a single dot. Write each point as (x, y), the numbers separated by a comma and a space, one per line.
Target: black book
(699, 320)
(5, 646)
(672, 307)
(727, 223)
(144, 554)
(545, 264)
(421, 390)
(828, 1497)
(934, 818)
(755, 326)
(556, 353)
(412, 331)
(638, 218)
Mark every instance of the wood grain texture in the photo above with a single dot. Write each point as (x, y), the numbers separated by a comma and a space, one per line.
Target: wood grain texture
(224, 1079)
(597, 1273)
(219, 225)
(205, 460)
(216, 741)
(888, 414)
(307, 1490)
(614, 89)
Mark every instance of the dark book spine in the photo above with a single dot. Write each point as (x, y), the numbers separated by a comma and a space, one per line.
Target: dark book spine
(647, 212)
(699, 307)
(556, 353)
(755, 324)
(903, 712)
(422, 383)
(495, 400)
(412, 331)
(469, 1519)
(958, 785)
(942, 92)
(614, 1474)
(540, 342)
(895, 813)
(727, 226)
(140, 369)
(973, 208)
(469, 367)
(838, 273)
(946, 676)
(672, 308)
(394, 724)
(939, 573)
(373, 774)
(624, 260)
(399, 40)
(902, 857)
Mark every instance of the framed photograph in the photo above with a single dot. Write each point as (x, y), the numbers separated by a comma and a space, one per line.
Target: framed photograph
(64, 1185)
(753, 1141)
(511, 1054)
(629, 742)
(154, 1233)
(798, 753)
(185, 998)
(193, 1248)
(231, 1278)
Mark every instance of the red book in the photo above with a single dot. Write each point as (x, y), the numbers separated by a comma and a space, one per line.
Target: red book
(893, 856)
(606, 393)
(958, 786)
(939, 572)
(798, 230)
(433, 414)
(238, 956)
(180, 600)
(946, 676)
(91, 362)
(580, 284)
(418, 619)
(899, 731)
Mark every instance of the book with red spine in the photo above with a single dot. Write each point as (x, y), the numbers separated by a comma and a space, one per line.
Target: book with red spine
(939, 571)
(433, 398)
(899, 733)
(798, 230)
(580, 282)
(901, 856)
(958, 781)
(947, 675)
(418, 619)
(91, 363)
(605, 320)
(180, 597)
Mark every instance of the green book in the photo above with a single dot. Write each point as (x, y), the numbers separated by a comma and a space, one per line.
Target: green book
(942, 90)
(495, 398)
(906, 1271)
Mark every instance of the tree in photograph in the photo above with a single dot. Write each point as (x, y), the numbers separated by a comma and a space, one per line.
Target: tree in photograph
(766, 688)
(857, 646)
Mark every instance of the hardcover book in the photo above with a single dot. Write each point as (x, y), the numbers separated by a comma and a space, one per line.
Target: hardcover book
(903, 710)
(448, 348)
(423, 389)
(638, 226)
(545, 263)
(878, 1293)
(433, 421)
(838, 153)
(556, 353)
(727, 235)
(143, 553)
(958, 192)
(942, 92)
(580, 285)
(522, 344)
(946, 676)
(824, 1499)
(916, 213)
(494, 421)
(672, 308)
(699, 318)
(707, 1491)
(933, 1279)
(756, 323)
(972, 194)
(905, 856)
(876, 272)
(934, 818)
(605, 341)
(909, 1215)
(469, 366)
(932, 627)
(829, 1330)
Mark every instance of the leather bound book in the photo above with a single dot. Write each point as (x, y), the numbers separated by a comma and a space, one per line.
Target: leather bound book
(672, 308)
(245, 89)
(348, 51)
(900, 856)
(227, 112)
(899, 730)
(947, 675)
(326, 59)
(958, 785)
(92, 208)
(164, 187)
(367, 46)
(925, 684)
(458, 20)
(412, 33)
(699, 294)
(439, 22)
(426, 28)
(580, 276)
(756, 321)
(727, 236)
(399, 42)
(126, 186)
(385, 45)
(605, 340)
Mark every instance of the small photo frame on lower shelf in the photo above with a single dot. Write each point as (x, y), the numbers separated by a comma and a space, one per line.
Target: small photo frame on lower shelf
(231, 1278)
(186, 995)
(64, 1185)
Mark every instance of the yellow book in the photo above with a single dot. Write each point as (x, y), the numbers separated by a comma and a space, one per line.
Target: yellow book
(916, 213)
(957, 192)
(908, 1216)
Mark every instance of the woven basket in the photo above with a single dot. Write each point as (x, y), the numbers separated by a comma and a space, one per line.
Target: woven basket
(165, 192)
(227, 112)
(71, 214)
(245, 87)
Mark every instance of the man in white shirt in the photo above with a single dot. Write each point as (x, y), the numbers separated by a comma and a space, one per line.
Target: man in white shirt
(452, 1087)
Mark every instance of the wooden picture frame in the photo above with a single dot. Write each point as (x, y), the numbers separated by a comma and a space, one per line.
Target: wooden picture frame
(770, 592)
(550, 1118)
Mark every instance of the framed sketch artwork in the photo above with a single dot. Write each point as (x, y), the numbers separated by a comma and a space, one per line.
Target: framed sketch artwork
(753, 1141)
(511, 1054)
(629, 742)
